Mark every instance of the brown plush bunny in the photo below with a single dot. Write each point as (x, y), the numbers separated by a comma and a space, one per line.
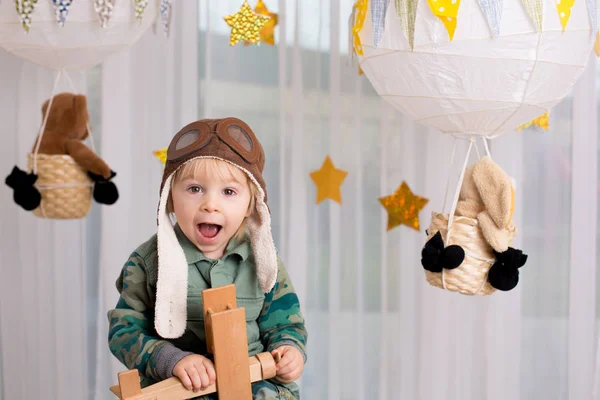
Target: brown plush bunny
(64, 132)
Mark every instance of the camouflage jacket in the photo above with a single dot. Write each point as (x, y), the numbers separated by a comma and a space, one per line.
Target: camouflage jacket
(134, 341)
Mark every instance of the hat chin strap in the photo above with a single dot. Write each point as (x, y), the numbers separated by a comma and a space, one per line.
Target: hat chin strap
(171, 288)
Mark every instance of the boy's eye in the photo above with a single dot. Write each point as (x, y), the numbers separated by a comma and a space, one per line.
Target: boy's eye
(229, 192)
(195, 189)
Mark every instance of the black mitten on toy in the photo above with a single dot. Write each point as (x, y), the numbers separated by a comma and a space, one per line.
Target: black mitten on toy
(25, 194)
(504, 274)
(105, 191)
(434, 256)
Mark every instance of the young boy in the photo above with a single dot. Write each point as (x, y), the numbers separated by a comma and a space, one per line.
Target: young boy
(213, 184)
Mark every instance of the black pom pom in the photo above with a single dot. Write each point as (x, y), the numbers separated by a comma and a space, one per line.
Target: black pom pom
(503, 278)
(434, 256)
(25, 194)
(430, 255)
(504, 274)
(105, 191)
(452, 256)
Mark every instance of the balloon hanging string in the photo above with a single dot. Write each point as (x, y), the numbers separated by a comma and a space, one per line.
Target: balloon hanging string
(457, 191)
(472, 143)
(487, 148)
(45, 120)
(449, 175)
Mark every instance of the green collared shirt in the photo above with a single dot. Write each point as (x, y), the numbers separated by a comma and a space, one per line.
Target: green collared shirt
(237, 267)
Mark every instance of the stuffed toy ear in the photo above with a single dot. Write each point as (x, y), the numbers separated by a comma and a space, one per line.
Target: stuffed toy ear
(495, 191)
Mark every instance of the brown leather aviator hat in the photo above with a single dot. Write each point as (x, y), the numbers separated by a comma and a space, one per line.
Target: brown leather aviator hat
(230, 140)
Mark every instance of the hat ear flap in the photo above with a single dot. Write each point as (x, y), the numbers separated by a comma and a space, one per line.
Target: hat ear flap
(263, 247)
(495, 190)
(171, 286)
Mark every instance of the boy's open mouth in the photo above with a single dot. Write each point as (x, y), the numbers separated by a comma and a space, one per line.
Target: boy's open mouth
(209, 231)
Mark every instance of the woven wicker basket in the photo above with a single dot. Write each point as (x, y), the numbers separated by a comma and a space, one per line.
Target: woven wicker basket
(65, 188)
(470, 277)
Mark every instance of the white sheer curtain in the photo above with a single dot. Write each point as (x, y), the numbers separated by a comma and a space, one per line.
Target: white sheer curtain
(377, 330)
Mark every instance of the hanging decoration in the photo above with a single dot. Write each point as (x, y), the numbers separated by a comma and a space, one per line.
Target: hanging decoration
(25, 9)
(63, 173)
(486, 88)
(245, 25)
(94, 30)
(165, 15)
(267, 33)
(140, 7)
(62, 10)
(361, 14)
(535, 11)
(407, 12)
(543, 121)
(403, 207)
(475, 86)
(328, 180)
(378, 12)
(564, 11)
(161, 155)
(446, 11)
(352, 60)
(597, 44)
(469, 250)
(492, 10)
(104, 10)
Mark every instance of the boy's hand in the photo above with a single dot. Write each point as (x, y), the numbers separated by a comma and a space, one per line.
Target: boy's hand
(291, 365)
(195, 372)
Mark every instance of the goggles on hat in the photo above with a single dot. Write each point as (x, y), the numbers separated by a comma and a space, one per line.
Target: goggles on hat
(236, 134)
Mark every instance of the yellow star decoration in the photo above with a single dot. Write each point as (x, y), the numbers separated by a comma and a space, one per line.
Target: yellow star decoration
(267, 33)
(542, 121)
(597, 44)
(328, 180)
(403, 207)
(161, 154)
(245, 25)
(361, 13)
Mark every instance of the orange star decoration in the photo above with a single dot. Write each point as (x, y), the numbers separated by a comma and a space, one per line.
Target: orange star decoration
(267, 33)
(245, 25)
(403, 207)
(161, 154)
(328, 180)
(542, 121)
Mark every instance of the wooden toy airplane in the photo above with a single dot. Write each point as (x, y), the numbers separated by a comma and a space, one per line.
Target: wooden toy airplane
(225, 326)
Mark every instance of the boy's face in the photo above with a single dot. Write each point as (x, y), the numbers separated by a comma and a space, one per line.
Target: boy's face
(210, 207)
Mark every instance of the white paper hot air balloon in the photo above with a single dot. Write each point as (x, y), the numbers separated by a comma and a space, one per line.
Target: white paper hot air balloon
(505, 65)
(66, 34)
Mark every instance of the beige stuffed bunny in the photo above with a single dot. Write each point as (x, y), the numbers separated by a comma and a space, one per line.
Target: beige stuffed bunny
(487, 195)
